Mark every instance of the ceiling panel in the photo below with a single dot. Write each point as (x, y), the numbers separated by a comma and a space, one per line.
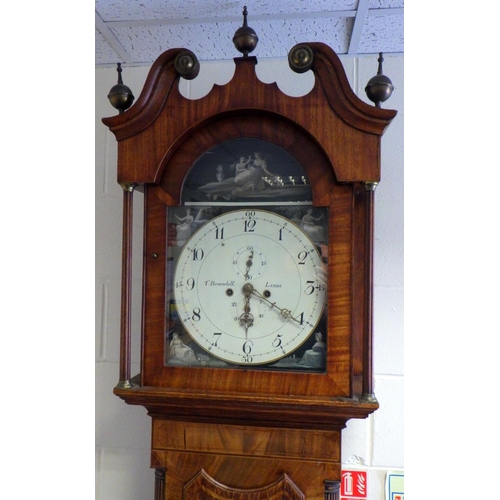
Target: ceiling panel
(385, 33)
(136, 33)
(132, 10)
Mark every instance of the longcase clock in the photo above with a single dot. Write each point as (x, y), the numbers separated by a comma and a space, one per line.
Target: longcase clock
(257, 281)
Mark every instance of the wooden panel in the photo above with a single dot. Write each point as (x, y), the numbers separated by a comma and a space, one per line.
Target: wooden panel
(339, 289)
(246, 472)
(155, 255)
(308, 445)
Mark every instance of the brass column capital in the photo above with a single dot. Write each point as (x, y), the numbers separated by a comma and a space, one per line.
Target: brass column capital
(128, 186)
(370, 185)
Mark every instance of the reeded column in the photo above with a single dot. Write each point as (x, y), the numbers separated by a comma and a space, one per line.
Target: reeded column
(159, 484)
(126, 288)
(368, 386)
(332, 490)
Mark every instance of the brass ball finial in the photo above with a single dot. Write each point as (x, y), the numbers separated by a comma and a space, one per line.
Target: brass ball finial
(379, 88)
(120, 96)
(245, 39)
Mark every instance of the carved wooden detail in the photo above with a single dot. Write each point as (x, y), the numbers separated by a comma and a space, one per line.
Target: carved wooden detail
(204, 487)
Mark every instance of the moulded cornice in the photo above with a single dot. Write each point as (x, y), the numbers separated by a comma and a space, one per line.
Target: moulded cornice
(326, 65)
(303, 412)
(330, 113)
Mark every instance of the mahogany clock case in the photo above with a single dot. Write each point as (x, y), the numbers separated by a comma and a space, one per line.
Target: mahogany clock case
(336, 141)
(323, 148)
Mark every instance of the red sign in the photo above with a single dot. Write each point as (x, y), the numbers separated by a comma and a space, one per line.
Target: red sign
(354, 485)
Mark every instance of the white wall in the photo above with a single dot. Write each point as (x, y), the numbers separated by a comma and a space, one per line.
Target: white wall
(122, 431)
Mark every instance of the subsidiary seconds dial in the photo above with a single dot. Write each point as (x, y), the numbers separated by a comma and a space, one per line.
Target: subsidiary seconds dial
(250, 287)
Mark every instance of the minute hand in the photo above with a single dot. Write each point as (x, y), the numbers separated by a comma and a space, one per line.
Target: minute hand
(286, 313)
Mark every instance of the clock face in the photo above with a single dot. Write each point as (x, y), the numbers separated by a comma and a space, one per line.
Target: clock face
(249, 288)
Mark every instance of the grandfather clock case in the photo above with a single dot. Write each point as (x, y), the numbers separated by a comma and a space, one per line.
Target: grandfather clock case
(257, 275)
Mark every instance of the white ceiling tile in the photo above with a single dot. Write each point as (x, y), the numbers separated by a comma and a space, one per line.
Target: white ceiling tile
(382, 34)
(103, 51)
(137, 32)
(386, 4)
(132, 10)
(276, 38)
(214, 40)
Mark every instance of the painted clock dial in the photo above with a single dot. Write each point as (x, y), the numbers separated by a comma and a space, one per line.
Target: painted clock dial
(249, 287)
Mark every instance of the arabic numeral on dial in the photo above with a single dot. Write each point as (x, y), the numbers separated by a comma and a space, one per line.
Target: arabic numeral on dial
(277, 340)
(280, 232)
(250, 225)
(302, 320)
(189, 284)
(247, 349)
(310, 287)
(302, 256)
(219, 233)
(198, 253)
(196, 314)
(217, 336)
